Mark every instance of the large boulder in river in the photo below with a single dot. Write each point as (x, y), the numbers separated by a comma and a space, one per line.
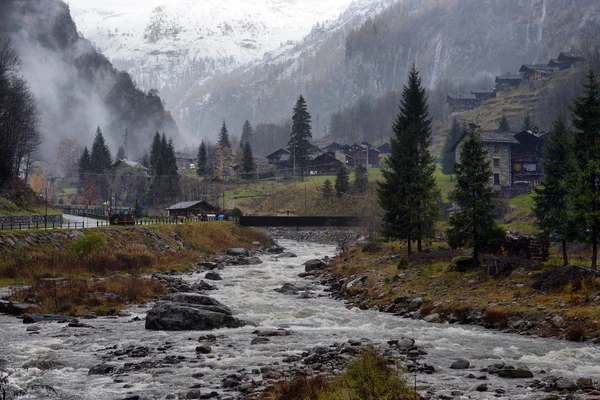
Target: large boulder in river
(238, 252)
(169, 316)
(314, 265)
(198, 300)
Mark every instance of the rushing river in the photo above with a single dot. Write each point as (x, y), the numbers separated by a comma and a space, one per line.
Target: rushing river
(59, 357)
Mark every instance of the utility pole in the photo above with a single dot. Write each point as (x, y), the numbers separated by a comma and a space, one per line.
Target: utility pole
(304, 198)
(46, 218)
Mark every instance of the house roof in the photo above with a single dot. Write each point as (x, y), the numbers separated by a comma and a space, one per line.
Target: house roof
(384, 148)
(565, 56)
(278, 153)
(188, 204)
(509, 77)
(541, 68)
(132, 164)
(498, 137)
(461, 96)
(324, 158)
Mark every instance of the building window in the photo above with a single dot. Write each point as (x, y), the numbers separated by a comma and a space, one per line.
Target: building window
(496, 149)
(496, 162)
(496, 179)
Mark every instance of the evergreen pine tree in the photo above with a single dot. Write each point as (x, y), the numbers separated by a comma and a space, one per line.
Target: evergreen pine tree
(202, 159)
(474, 224)
(342, 181)
(246, 134)
(100, 157)
(85, 166)
(408, 193)
(586, 147)
(171, 170)
(452, 137)
(299, 143)
(224, 137)
(527, 122)
(155, 155)
(248, 159)
(503, 125)
(361, 178)
(553, 199)
(327, 189)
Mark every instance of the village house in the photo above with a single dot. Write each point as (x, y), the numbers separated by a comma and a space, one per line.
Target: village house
(507, 81)
(188, 209)
(484, 94)
(513, 157)
(460, 102)
(279, 157)
(565, 61)
(324, 164)
(184, 161)
(362, 154)
(536, 72)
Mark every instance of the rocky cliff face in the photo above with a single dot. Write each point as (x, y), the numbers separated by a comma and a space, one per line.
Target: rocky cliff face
(77, 88)
(452, 42)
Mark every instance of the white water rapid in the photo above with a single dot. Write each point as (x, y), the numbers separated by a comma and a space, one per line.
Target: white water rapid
(54, 364)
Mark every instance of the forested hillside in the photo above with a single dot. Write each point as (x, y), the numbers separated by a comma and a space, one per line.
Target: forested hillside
(76, 88)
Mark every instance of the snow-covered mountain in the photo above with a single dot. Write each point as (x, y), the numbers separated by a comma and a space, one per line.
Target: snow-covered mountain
(159, 41)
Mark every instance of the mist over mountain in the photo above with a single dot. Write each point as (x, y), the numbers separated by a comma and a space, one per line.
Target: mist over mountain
(76, 88)
(368, 50)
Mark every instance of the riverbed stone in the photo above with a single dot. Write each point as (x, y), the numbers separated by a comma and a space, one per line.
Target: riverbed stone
(198, 299)
(213, 276)
(405, 343)
(558, 321)
(287, 288)
(415, 304)
(461, 363)
(254, 261)
(314, 265)
(432, 318)
(357, 283)
(203, 349)
(565, 384)
(585, 383)
(102, 369)
(260, 340)
(238, 252)
(287, 254)
(516, 373)
(169, 316)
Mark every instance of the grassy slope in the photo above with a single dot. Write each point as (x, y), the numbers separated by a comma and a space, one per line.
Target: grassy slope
(123, 254)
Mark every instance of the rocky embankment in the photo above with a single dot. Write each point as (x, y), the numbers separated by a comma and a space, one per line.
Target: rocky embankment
(339, 237)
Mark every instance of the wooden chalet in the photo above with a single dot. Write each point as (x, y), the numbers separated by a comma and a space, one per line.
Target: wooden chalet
(324, 164)
(384, 149)
(536, 72)
(189, 209)
(362, 154)
(335, 147)
(484, 94)
(508, 81)
(525, 159)
(460, 102)
(279, 157)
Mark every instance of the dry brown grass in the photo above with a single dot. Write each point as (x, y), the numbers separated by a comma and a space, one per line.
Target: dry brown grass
(575, 333)
(496, 317)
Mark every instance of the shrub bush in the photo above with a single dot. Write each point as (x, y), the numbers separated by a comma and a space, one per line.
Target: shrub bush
(575, 333)
(88, 244)
(496, 317)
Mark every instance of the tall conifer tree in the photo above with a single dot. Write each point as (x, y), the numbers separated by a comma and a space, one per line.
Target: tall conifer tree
(248, 159)
(553, 199)
(473, 224)
(408, 193)
(100, 157)
(246, 134)
(586, 146)
(224, 137)
(202, 159)
(299, 142)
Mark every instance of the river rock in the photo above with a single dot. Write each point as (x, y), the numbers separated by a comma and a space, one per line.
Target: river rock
(358, 282)
(213, 276)
(585, 383)
(461, 363)
(169, 316)
(16, 308)
(482, 388)
(208, 265)
(287, 254)
(102, 369)
(314, 265)
(432, 318)
(274, 249)
(405, 343)
(287, 288)
(238, 252)
(32, 318)
(565, 384)
(260, 340)
(515, 373)
(254, 261)
(415, 304)
(558, 321)
(198, 299)
(203, 349)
